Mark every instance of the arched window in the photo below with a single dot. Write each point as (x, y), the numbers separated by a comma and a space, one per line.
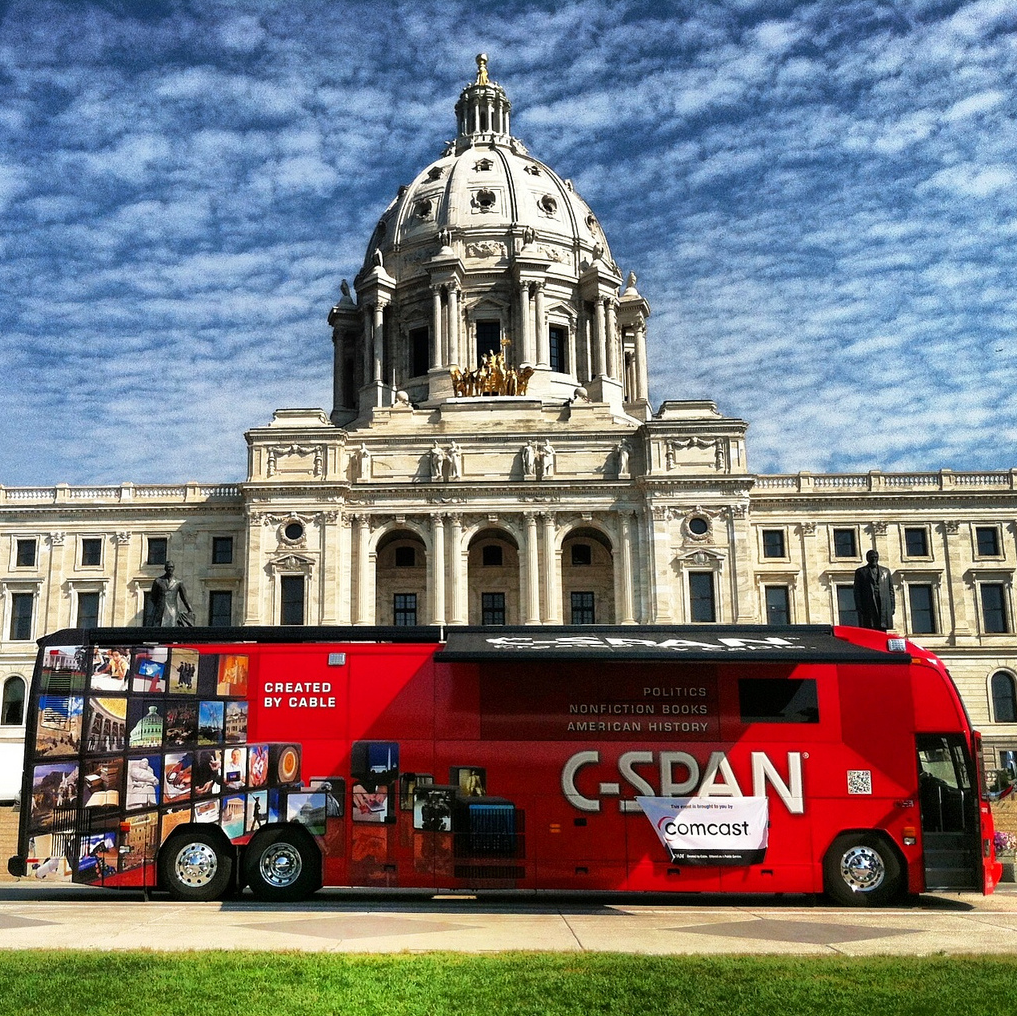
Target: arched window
(12, 710)
(1004, 697)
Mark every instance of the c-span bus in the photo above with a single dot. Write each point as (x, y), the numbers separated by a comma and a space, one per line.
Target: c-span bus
(707, 759)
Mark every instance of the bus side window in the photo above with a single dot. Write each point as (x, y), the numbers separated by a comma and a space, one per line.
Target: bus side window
(778, 700)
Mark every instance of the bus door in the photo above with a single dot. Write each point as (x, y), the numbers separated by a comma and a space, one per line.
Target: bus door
(948, 797)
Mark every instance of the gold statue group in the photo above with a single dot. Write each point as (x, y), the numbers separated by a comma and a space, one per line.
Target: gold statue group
(492, 377)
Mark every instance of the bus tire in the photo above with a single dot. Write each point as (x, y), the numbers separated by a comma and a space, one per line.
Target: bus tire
(282, 865)
(194, 866)
(862, 870)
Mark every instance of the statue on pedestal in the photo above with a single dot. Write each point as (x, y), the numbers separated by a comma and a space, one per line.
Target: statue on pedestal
(170, 606)
(874, 596)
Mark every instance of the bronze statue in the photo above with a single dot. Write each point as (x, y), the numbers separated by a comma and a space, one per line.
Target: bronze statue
(170, 606)
(874, 597)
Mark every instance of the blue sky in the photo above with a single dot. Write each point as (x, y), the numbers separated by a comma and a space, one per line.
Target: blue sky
(819, 199)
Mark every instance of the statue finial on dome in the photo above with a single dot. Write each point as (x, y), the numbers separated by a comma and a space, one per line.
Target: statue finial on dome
(482, 78)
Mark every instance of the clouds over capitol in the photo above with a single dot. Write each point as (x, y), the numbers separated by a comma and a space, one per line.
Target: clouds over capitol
(819, 199)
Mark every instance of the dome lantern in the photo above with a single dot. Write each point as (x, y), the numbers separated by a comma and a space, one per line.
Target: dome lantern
(482, 112)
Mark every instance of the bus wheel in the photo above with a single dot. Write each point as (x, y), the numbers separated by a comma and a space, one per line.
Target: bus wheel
(282, 865)
(193, 866)
(862, 870)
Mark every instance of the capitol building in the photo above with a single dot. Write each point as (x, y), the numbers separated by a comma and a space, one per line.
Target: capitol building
(492, 457)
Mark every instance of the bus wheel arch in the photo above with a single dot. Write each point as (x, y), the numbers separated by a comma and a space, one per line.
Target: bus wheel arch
(283, 863)
(196, 864)
(864, 868)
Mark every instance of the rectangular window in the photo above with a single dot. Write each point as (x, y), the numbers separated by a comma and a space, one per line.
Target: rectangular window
(222, 550)
(773, 543)
(916, 541)
(582, 555)
(91, 552)
(557, 348)
(488, 339)
(845, 543)
(778, 700)
(987, 541)
(778, 605)
(21, 615)
(846, 613)
(420, 343)
(291, 599)
(492, 608)
(220, 608)
(994, 619)
(923, 615)
(404, 609)
(583, 611)
(158, 548)
(88, 610)
(702, 603)
(24, 554)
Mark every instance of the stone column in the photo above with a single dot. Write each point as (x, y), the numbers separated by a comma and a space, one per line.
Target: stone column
(599, 351)
(368, 344)
(626, 603)
(439, 351)
(255, 571)
(329, 568)
(438, 566)
(344, 571)
(525, 338)
(363, 613)
(659, 552)
(379, 342)
(457, 578)
(642, 368)
(452, 324)
(532, 570)
(543, 345)
(611, 340)
(552, 578)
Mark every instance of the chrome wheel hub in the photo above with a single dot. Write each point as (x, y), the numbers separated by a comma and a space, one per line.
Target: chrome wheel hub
(196, 865)
(280, 865)
(862, 869)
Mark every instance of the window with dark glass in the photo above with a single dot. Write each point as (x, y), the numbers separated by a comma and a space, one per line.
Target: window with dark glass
(220, 608)
(21, 615)
(557, 348)
(702, 601)
(420, 351)
(773, 543)
(88, 610)
(222, 550)
(778, 700)
(987, 540)
(405, 557)
(994, 619)
(488, 338)
(778, 605)
(24, 554)
(846, 612)
(404, 609)
(582, 554)
(12, 711)
(845, 543)
(699, 526)
(91, 552)
(916, 541)
(583, 611)
(1004, 698)
(491, 555)
(291, 599)
(158, 549)
(492, 608)
(923, 614)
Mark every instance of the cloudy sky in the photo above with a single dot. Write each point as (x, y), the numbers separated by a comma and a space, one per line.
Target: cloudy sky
(819, 199)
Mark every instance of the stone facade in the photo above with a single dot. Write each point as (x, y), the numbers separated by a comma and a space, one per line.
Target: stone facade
(491, 456)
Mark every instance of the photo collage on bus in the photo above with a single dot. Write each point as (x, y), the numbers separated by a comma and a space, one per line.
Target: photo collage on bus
(131, 742)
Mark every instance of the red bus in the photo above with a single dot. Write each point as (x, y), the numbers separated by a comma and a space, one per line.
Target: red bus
(714, 759)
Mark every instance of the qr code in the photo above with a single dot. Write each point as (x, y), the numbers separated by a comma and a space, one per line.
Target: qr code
(859, 781)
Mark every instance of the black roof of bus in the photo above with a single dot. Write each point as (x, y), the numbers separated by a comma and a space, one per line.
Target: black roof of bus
(760, 643)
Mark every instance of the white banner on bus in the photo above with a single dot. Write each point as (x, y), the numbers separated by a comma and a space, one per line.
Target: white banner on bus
(710, 830)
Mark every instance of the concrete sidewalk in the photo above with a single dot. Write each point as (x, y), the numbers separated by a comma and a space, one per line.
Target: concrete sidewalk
(370, 922)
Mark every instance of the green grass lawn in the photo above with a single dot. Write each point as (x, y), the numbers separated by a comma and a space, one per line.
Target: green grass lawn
(544, 984)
